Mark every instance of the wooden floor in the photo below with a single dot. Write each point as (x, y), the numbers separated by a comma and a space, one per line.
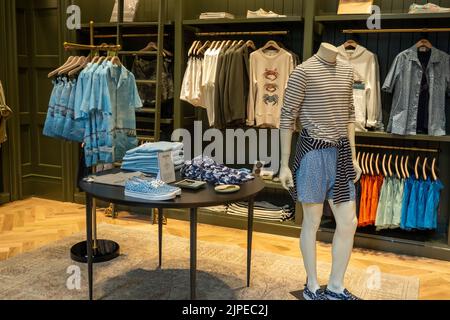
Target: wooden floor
(28, 224)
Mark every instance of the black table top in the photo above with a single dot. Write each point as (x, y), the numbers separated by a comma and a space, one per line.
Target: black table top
(205, 197)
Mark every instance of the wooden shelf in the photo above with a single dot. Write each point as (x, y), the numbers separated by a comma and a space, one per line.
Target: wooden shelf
(143, 24)
(386, 16)
(420, 137)
(100, 25)
(274, 185)
(196, 22)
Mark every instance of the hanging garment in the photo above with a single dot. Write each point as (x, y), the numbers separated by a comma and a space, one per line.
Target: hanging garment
(432, 205)
(406, 202)
(405, 81)
(362, 220)
(58, 86)
(375, 198)
(146, 70)
(367, 89)
(5, 114)
(422, 203)
(397, 198)
(269, 75)
(385, 205)
(411, 219)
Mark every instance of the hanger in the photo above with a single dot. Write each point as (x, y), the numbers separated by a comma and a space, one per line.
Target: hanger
(350, 44)
(416, 168)
(363, 168)
(204, 47)
(402, 167)
(82, 66)
(194, 44)
(241, 42)
(250, 44)
(397, 170)
(433, 170)
(384, 166)
(370, 164)
(389, 166)
(271, 44)
(424, 44)
(116, 60)
(424, 169)
(76, 63)
(407, 167)
(376, 164)
(55, 72)
(358, 155)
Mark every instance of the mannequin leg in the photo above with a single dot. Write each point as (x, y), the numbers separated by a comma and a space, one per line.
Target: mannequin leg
(346, 224)
(312, 215)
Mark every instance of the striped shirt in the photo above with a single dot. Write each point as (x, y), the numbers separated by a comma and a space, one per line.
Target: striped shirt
(320, 93)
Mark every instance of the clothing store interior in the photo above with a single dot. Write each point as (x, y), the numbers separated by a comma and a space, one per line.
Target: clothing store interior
(225, 149)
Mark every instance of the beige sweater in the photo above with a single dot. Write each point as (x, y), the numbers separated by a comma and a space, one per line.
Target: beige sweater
(269, 74)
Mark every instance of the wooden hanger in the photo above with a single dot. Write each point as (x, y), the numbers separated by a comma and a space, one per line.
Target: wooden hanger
(363, 159)
(350, 44)
(202, 49)
(384, 166)
(81, 67)
(194, 44)
(407, 167)
(424, 44)
(433, 170)
(271, 44)
(402, 167)
(376, 164)
(397, 169)
(76, 63)
(250, 44)
(416, 168)
(370, 164)
(424, 169)
(55, 72)
(116, 60)
(358, 156)
(390, 166)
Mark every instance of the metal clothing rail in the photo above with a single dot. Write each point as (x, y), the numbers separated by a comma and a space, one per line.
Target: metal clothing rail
(421, 30)
(241, 33)
(397, 148)
(131, 35)
(103, 47)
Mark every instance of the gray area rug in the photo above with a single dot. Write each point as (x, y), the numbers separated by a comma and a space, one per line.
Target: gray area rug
(43, 273)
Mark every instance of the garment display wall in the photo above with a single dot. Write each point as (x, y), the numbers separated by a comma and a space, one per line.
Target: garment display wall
(308, 24)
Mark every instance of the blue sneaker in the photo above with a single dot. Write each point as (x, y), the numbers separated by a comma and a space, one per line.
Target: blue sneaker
(318, 295)
(150, 189)
(346, 295)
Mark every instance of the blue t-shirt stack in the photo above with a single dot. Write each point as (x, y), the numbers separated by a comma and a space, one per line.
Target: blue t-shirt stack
(145, 157)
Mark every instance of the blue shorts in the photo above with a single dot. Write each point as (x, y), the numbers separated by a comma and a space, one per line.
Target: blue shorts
(317, 175)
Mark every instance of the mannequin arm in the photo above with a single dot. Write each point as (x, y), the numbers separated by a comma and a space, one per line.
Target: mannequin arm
(351, 138)
(285, 173)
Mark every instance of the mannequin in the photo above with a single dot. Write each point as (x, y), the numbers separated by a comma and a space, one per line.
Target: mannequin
(345, 213)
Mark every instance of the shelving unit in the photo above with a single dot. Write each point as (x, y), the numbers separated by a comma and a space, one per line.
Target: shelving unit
(420, 137)
(384, 16)
(281, 20)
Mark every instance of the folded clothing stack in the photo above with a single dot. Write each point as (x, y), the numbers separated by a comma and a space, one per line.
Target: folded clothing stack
(206, 169)
(145, 157)
(262, 210)
(150, 189)
(216, 15)
(261, 13)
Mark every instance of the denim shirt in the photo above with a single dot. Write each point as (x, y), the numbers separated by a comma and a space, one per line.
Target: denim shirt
(404, 79)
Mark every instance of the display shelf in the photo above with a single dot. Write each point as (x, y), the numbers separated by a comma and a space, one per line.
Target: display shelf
(100, 25)
(195, 22)
(419, 137)
(143, 24)
(385, 16)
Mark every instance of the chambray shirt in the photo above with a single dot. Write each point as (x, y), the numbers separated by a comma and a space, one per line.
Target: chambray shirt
(404, 80)
(120, 99)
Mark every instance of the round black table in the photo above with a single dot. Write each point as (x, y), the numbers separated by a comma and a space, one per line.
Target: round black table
(192, 200)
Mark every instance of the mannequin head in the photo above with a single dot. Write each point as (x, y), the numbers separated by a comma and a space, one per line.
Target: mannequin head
(328, 52)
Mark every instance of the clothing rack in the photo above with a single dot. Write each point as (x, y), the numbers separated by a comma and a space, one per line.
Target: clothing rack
(103, 47)
(421, 30)
(397, 148)
(241, 33)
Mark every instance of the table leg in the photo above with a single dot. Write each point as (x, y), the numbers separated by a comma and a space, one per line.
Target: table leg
(249, 238)
(193, 252)
(160, 232)
(89, 243)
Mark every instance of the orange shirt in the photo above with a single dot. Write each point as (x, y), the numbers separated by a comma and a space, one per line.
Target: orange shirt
(375, 198)
(363, 202)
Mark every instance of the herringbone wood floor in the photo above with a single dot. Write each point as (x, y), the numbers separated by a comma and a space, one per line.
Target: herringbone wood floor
(28, 224)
